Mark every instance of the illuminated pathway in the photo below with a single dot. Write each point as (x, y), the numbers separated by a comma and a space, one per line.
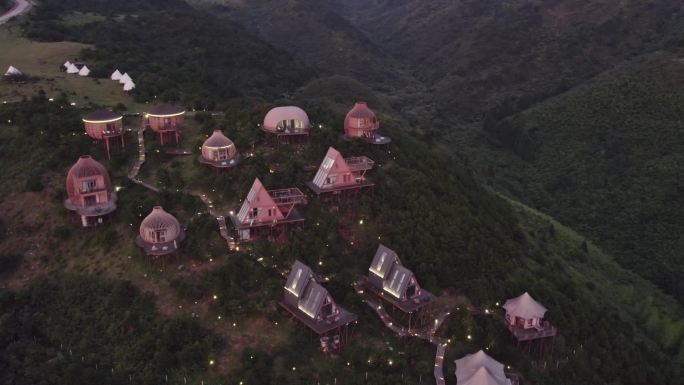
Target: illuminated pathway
(427, 334)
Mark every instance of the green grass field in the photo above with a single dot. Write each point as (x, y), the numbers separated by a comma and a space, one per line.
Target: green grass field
(42, 61)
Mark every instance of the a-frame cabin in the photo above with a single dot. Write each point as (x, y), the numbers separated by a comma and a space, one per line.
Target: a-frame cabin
(266, 212)
(341, 176)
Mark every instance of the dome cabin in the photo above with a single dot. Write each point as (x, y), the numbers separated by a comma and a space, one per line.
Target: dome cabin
(105, 126)
(361, 122)
(311, 304)
(339, 176)
(290, 124)
(166, 120)
(267, 212)
(219, 152)
(525, 320)
(481, 369)
(160, 233)
(89, 191)
(397, 286)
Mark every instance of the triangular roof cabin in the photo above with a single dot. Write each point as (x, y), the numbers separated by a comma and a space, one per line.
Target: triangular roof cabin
(337, 172)
(299, 277)
(116, 75)
(72, 69)
(383, 261)
(259, 206)
(85, 71)
(66, 64)
(125, 78)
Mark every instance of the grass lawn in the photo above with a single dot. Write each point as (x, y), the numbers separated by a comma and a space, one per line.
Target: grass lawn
(42, 62)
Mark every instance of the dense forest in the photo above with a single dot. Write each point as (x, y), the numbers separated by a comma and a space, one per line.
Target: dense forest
(86, 320)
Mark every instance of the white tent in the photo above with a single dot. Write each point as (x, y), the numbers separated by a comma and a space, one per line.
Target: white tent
(67, 64)
(72, 69)
(116, 75)
(12, 71)
(84, 71)
(125, 78)
(524, 307)
(480, 369)
(129, 85)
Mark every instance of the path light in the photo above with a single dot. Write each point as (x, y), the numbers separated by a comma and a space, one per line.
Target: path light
(469, 337)
(211, 362)
(215, 296)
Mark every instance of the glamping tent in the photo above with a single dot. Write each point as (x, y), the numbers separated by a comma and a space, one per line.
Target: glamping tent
(12, 71)
(129, 85)
(85, 71)
(72, 69)
(125, 78)
(116, 75)
(480, 369)
(67, 64)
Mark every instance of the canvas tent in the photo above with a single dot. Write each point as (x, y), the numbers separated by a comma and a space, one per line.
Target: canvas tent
(116, 75)
(85, 71)
(12, 71)
(480, 369)
(72, 69)
(125, 78)
(129, 85)
(67, 64)
(524, 307)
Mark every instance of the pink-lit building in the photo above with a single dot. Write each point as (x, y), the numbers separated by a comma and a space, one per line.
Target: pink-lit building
(105, 126)
(338, 175)
(525, 320)
(166, 120)
(289, 123)
(89, 192)
(219, 152)
(160, 233)
(361, 123)
(267, 212)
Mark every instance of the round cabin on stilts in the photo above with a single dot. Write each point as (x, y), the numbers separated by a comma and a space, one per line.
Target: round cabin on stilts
(105, 126)
(219, 152)
(166, 120)
(290, 124)
(361, 123)
(525, 320)
(89, 192)
(160, 233)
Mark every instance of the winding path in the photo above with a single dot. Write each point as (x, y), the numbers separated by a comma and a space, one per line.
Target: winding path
(20, 7)
(427, 334)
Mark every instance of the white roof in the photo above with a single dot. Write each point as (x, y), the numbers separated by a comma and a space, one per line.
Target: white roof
(85, 71)
(129, 85)
(11, 71)
(483, 376)
(467, 366)
(524, 307)
(67, 64)
(116, 75)
(125, 78)
(72, 69)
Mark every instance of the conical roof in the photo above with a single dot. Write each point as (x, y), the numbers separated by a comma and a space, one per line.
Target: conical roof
(85, 71)
(129, 85)
(72, 69)
(159, 219)
(524, 307)
(85, 167)
(11, 71)
(116, 75)
(361, 111)
(483, 376)
(67, 64)
(217, 139)
(125, 78)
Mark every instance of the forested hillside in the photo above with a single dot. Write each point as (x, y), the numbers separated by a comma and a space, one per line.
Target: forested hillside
(211, 316)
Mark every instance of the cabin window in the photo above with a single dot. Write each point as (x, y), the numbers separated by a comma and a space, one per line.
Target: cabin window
(411, 291)
(167, 121)
(222, 153)
(255, 212)
(327, 309)
(110, 128)
(88, 185)
(271, 212)
(160, 236)
(346, 178)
